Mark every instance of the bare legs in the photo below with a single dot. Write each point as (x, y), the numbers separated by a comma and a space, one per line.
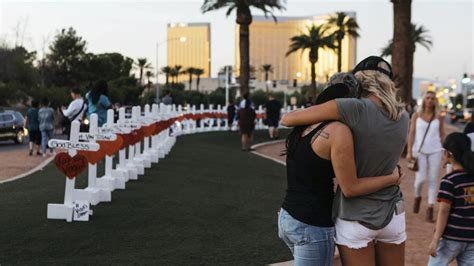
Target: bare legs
(246, 141)
(380, 254)
(273, 132)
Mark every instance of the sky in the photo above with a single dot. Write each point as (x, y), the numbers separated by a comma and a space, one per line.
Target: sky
(133, 28)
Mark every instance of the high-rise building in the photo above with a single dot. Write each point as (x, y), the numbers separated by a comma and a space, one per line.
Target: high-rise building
(269, 42)
(189, 45)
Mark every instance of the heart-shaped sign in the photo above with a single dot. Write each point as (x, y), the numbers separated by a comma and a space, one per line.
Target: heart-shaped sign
(149, 130)
(70, 166)
(111, 147)
(93, 157)
(126, 140)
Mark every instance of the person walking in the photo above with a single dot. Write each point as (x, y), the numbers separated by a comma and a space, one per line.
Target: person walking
(315, 155)
(98, 101)
(454, 233)
(247, 117)
(272, 116)
(424, 144)
(75, 110)
(370, 229)
(231, 111)
(32, 124)
(46, 125)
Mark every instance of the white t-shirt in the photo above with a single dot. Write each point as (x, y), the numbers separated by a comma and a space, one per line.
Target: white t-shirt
(73, 109)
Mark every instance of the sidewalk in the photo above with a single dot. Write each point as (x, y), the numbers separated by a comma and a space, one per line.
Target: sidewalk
(419, 232)
(17, 162)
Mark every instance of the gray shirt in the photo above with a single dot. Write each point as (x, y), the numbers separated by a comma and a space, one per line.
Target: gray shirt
(46, 118)
(378, 145)
(167, 100)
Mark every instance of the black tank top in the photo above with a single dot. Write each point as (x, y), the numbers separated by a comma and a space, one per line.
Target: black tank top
(310, 193)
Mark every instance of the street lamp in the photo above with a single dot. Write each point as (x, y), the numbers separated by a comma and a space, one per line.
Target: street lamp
(181, 39)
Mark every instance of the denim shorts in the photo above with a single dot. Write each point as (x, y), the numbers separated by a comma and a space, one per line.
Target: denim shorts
(448, 250)
(310, 245)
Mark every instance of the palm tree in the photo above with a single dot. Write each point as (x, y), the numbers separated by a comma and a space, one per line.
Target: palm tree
(190, 71)
(266, 68)
(198, 72)
(402, 54)
(142, 64)
(175, 72)
(244, 19)
(343, 24)
(167, 71)
(419, 35)
(315, 39)
(148, 75)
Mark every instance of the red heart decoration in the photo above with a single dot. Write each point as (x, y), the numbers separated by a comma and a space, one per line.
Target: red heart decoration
(70, 166)
(126, 140)
(93, 157)
(149, 130)
(111, 147)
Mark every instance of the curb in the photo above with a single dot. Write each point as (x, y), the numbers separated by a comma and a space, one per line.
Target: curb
(36, 169)
(266, 156)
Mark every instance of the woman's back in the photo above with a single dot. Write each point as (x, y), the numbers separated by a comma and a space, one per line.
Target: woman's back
(378, 145)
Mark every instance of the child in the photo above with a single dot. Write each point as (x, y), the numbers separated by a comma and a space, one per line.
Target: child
(454, 233)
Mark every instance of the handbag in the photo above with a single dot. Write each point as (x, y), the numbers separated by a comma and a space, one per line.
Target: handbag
(413, 163)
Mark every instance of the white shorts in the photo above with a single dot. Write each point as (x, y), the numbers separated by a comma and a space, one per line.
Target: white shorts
(356, 236)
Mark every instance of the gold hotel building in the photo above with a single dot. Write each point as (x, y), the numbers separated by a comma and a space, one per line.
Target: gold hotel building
(194, 51)
(269, 42)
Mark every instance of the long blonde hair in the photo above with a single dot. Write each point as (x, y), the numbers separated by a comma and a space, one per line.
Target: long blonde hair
(380, 85)
(423, 106)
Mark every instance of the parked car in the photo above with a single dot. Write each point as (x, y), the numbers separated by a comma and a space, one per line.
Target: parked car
(11, 126)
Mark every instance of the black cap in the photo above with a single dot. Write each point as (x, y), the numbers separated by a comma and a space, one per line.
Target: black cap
(338, 90)
(372, 63)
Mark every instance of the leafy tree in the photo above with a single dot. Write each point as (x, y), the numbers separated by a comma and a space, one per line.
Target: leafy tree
(343, 25)
(64, 64)
(244, 19)
(148, 75)
(175, 72)
(316, 38)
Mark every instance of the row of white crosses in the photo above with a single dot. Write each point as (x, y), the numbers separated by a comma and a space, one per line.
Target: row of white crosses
(131, 165)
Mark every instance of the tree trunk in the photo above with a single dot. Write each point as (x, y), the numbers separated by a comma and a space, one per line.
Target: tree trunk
(313, 58)
(266, 80)
(190, 81)
(244, 46)
(167, 79)
(198, 80)
(339, 54)
(141, 75)
(402, 51)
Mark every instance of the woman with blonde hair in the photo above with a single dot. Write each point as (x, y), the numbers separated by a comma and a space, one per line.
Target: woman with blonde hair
(424, 143)
(370, 229)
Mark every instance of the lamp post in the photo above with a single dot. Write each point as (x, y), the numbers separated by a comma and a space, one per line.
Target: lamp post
(181, 39)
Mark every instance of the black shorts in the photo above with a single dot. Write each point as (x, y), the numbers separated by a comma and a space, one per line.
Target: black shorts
(35, 136)
(272, 122)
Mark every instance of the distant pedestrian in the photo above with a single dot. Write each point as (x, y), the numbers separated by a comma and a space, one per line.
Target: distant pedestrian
(32, 124)
(247, 117)
(272, 114)
(231, 112)
(424, 144)
(46, 125)
(98, 101)
(454, 232)
(75, 110)
(168, 100)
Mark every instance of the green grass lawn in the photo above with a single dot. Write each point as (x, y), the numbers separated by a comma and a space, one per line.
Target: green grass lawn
(206, 203)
